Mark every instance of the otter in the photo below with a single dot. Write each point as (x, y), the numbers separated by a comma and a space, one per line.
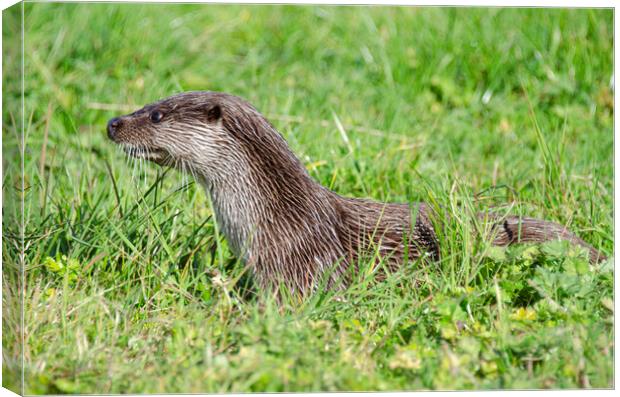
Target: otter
(286, 227)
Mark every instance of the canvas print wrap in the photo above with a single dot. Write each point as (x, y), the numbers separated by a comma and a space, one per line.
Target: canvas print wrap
(203, 198)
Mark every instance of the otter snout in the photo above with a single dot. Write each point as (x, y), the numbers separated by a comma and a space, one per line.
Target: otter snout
(113, 126)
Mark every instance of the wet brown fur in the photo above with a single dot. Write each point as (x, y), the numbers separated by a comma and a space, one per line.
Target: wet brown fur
(286, 226)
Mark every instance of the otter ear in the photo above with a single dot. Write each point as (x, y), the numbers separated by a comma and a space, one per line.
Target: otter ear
(214, 112)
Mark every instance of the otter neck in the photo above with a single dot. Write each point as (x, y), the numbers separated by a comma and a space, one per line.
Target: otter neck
(258, 196)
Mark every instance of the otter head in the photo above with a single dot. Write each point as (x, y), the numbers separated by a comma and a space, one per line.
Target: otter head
(184, 130)
(219, 138)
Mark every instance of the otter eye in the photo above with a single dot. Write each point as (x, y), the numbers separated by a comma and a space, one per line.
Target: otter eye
(156, 116)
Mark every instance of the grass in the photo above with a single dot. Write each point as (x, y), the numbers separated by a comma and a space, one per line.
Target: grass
(128, 288)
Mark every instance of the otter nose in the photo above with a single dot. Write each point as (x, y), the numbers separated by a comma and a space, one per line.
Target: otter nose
(113, 127)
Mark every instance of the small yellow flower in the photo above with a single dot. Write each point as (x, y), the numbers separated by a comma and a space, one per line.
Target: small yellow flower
(523, 314)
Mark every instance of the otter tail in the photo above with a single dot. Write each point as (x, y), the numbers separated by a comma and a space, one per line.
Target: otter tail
(512, 230)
